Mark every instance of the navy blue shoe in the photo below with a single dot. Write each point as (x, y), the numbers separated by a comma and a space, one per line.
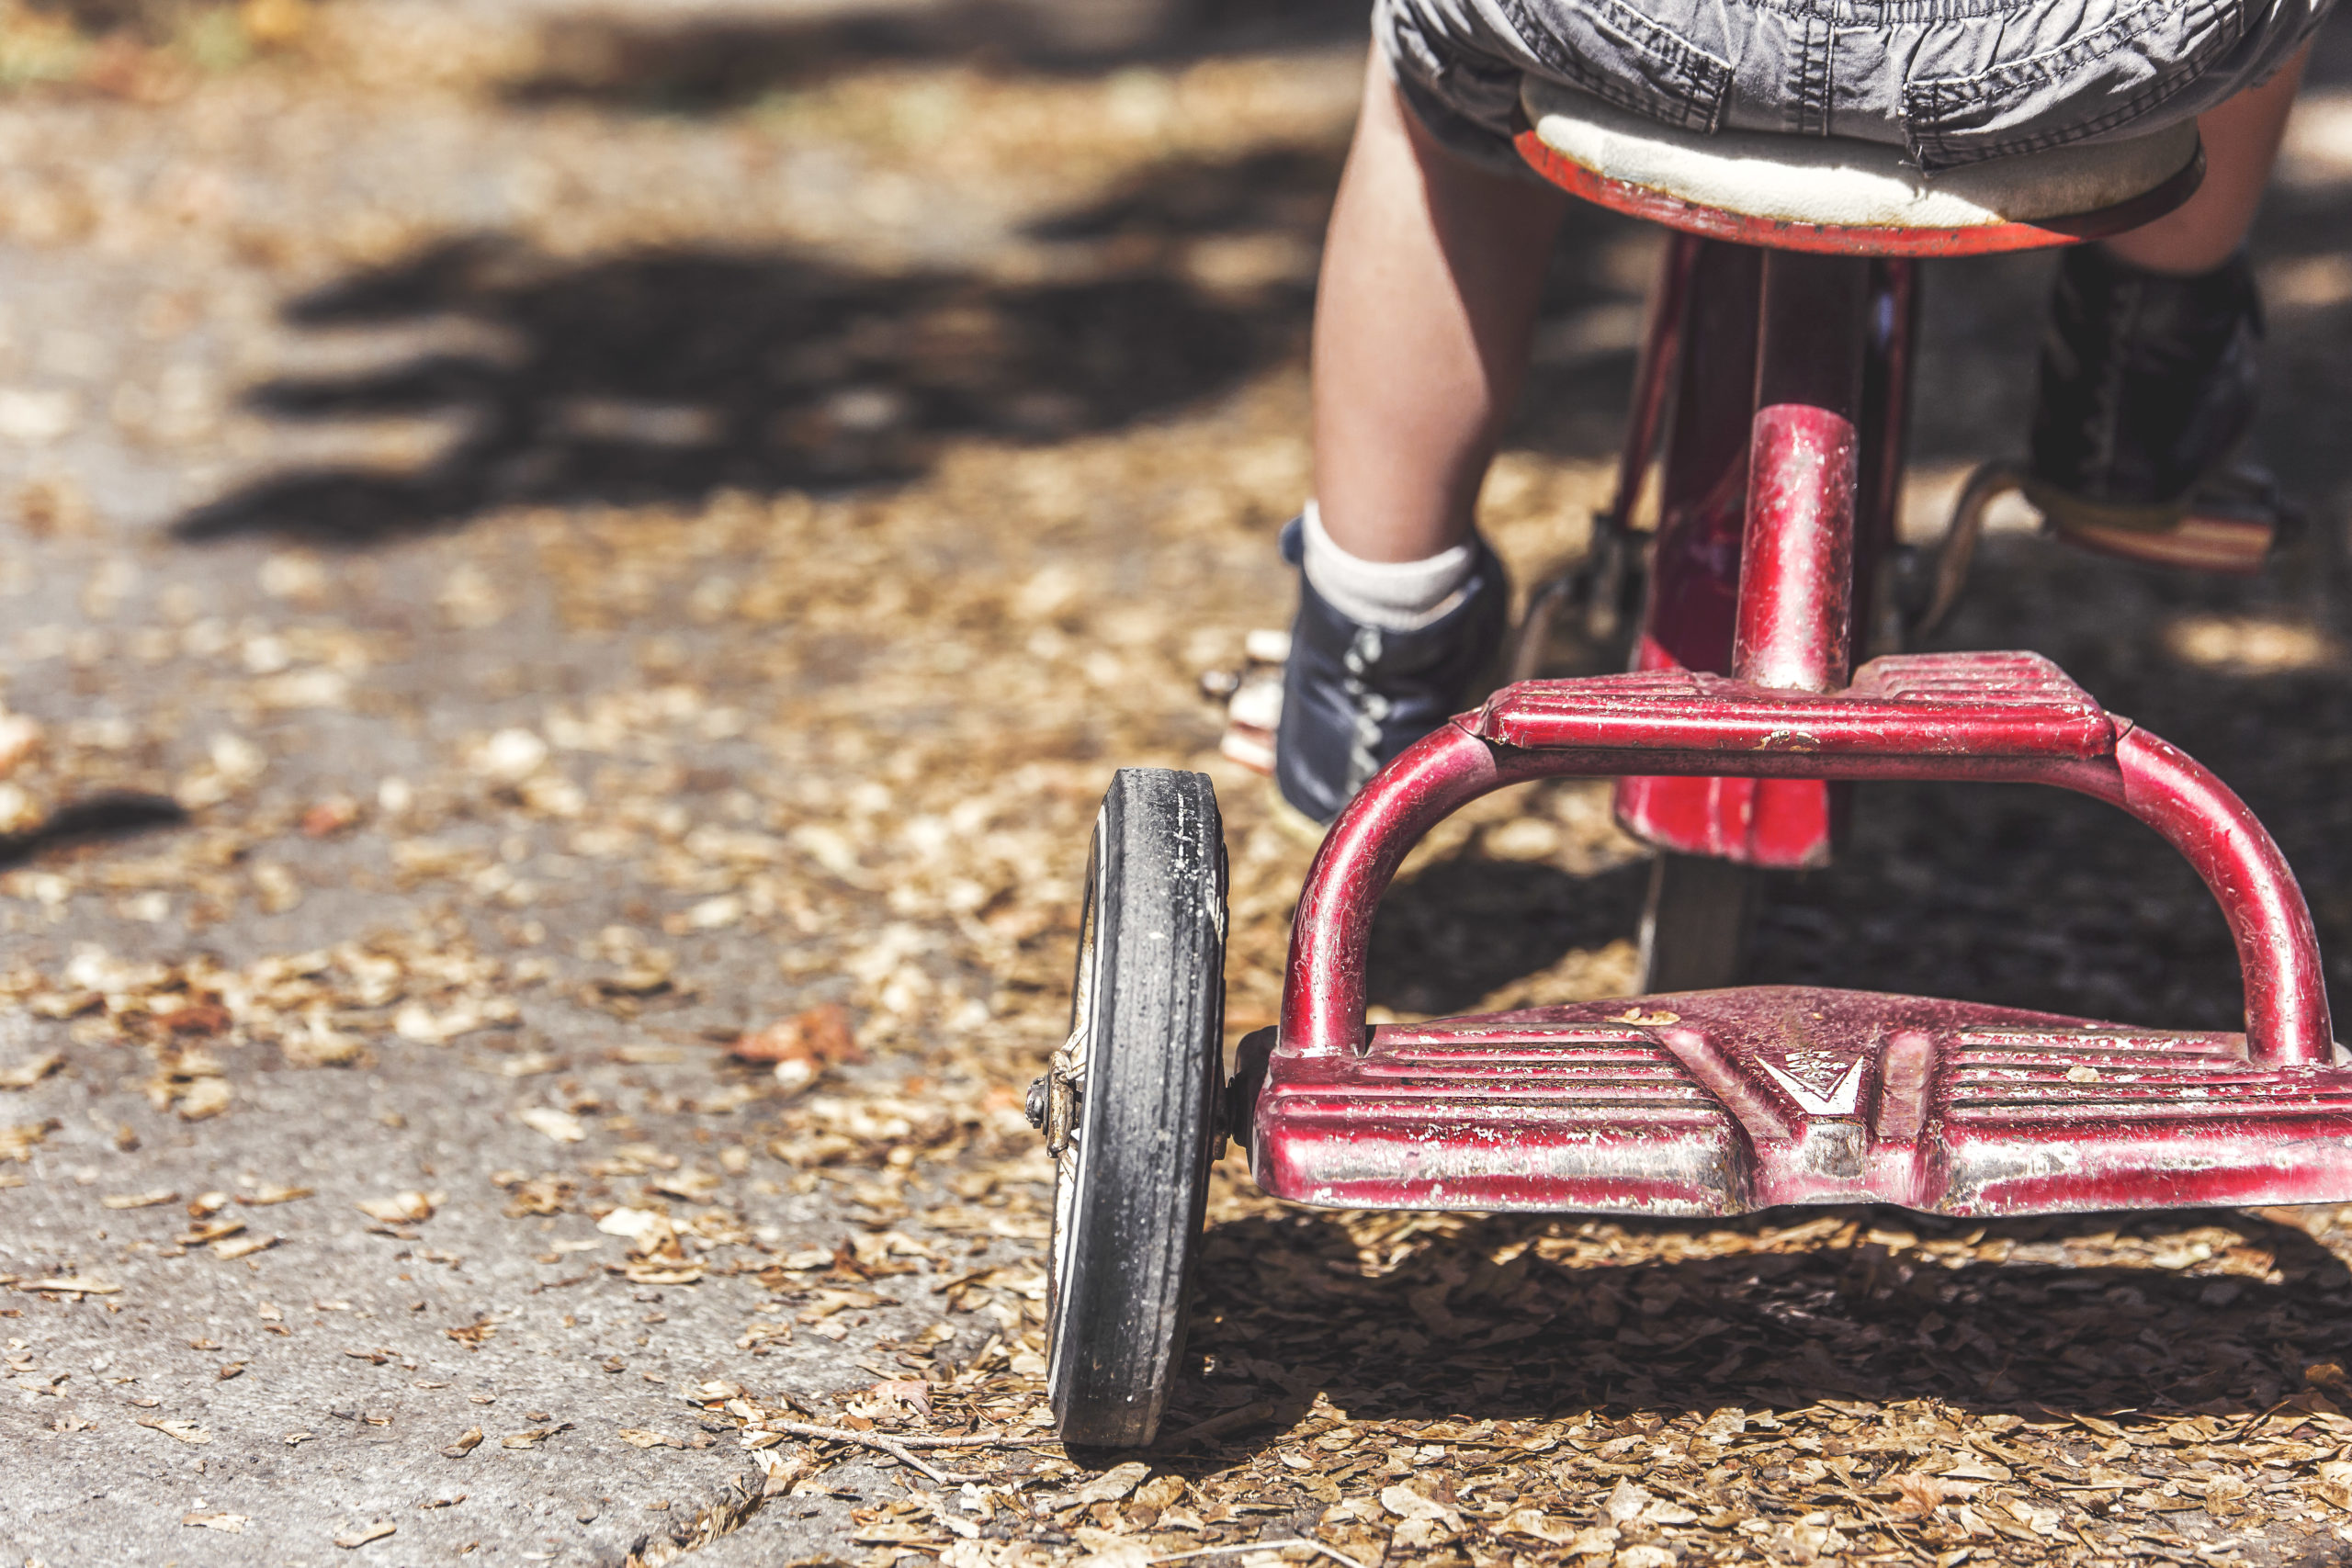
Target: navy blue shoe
(2148, 385)
(1354, 697)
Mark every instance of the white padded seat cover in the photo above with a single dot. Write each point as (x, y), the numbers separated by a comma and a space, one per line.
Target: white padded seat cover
(1839, 183)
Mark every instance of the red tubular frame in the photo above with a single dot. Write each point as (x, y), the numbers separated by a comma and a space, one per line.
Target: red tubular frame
(1793, 624)
(1662, 339)
(1694, 564)
(1736, 329)
(2286, 998)
(1796, 575)
(1784, 445)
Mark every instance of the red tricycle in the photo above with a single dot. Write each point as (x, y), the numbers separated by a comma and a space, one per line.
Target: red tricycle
(1772, 390)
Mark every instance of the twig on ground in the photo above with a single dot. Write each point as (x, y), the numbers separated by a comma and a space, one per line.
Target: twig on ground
(1217, 1425)
(1332, 1553)
(917, 1439)
(899, 1449)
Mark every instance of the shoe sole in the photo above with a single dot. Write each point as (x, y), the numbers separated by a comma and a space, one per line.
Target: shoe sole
(2181, 534)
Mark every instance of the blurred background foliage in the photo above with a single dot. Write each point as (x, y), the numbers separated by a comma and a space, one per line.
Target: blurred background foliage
(139, 49)
(697, 60)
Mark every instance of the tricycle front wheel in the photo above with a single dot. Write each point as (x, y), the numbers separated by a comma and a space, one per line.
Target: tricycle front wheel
(1130, 1108)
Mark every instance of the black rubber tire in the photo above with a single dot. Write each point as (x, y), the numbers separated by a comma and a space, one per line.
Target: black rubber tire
(1146, 1036)
(1695, 927)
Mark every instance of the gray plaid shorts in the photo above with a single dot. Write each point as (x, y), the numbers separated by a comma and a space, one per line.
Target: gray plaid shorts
(1954, 81)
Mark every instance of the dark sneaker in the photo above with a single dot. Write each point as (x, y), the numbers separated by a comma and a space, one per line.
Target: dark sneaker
(2148, 385)
(1353, 696)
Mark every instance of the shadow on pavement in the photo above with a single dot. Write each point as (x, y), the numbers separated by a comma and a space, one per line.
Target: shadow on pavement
(643, 377)
(1478, 1319)
(1463, 928)
(711, 64)
(101, 817)
(669, 375)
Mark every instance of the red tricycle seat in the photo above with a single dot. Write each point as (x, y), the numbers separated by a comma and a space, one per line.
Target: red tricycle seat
(1817, 192)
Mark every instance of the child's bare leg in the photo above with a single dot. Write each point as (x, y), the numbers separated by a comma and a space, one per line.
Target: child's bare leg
(2241, 142)
(1430, 281)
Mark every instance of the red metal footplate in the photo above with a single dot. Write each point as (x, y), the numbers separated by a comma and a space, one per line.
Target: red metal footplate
(1718, 1102)
(1722, 1101)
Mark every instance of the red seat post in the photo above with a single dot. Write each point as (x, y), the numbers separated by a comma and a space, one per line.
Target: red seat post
(1796, 579)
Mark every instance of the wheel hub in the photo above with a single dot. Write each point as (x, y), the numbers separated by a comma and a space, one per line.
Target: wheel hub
(1053, 1101)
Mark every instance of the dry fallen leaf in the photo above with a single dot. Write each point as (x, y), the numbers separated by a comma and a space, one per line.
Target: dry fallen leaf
(1724, 1425)
(639, 1437)
(656, 1271)
(20, 736)
(360, 1535)
(330, 817)
(1625, 1502)
(17, 1142)
(203, 1097)
(779, 1471)
(401, 1208)
(245, 1246)
(232, 1523)
(530, 1064)
(1923, 1494)
(27, 1074)
(1532, 1521)
(466, 1444)
(533, 1438)
(1406, 1504)
(693, 1186)
(1972, 1468)
(915, 1395)
(549, 1122)
(2335, 1484)
(472, 1336)
(802, 1046)
(1112, 1484)
(270, 1192)
(186, 1431)
(138, 1200)
(647, 1230)
(80, 1284)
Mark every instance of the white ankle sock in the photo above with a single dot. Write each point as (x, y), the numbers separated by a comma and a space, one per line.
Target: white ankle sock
(1396, 596)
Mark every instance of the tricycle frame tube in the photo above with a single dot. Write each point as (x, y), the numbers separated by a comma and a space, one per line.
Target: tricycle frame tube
(1663, 334)
(1694, 562)
(1796, 571)
(1324, 992)
(1892, 327)
(1793, 626)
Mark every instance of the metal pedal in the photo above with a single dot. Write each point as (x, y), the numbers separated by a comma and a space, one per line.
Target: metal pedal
(2232, 524)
